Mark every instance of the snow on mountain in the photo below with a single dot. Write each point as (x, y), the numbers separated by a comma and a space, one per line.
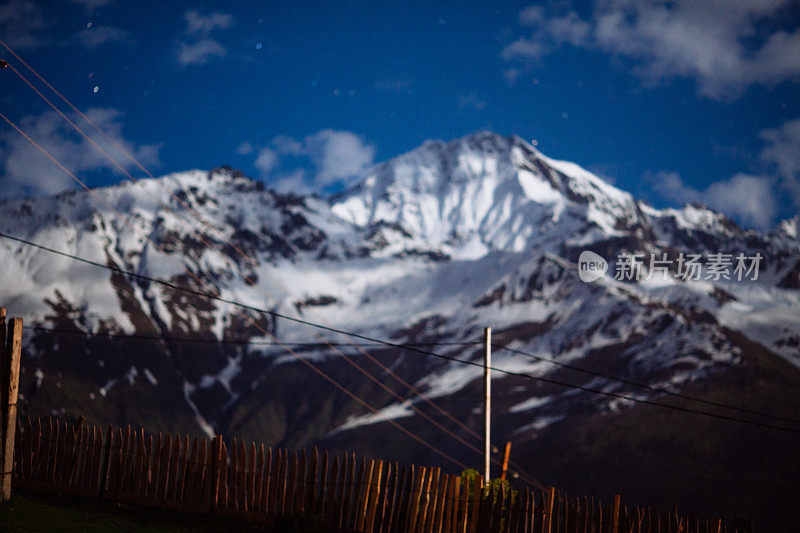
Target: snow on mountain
(791, 227)
(432, 245)
(480, 193)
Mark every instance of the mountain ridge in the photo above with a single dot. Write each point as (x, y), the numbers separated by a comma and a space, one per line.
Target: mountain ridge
(432, 245)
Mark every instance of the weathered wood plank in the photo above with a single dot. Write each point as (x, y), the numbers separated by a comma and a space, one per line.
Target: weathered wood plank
(385, 488)
(222, 503)
(10, 354)
(300, 482)
(475, 504)
(418, 477)
(322, 484)
(393, 507)
(180, 480)
(362, 499)
(258, 478)
(269, 474)
(331, 511)
(310, 496)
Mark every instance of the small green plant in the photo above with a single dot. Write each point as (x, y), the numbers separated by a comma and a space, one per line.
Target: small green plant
(495, 487)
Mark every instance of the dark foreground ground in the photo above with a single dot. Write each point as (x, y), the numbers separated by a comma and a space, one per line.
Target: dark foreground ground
(45, 512)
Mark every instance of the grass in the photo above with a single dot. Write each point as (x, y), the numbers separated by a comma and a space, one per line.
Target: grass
(44, 512)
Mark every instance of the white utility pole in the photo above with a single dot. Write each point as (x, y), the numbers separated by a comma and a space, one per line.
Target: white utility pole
(487, 402)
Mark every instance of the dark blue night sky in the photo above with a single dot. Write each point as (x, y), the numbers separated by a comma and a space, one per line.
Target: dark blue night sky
(675, 102)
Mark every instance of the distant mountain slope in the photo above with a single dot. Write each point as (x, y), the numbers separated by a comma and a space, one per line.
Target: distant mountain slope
(430, 246)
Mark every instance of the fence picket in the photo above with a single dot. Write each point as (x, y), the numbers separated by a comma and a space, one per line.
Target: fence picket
(300, 481)
(79, 454)
(180, 478)
(205, 476)
(241, 478)
(398, 498)
(61, 445)
(273, 464)
(280, 481)
(447, 505)
(362, 493)
(233, 475)
(139, 471)
(65, 464)
(120, 467)
(107, 452)
(291, 481)
(258, 479)
(384, 489)
(429, 500)
(494, 517)
(322, 494)
(27, 448)
(309, 498)
(190, 473)
(283, 494)
(374, 495)
(250, 477)
(267, 498)
(330, 515)
(163, 482)
(48, 445)
(477, 488)
(358, 495)
(442, 484)
(348, 475)
(130, 462)
(415, 497)
(223, 478)
(171, 492)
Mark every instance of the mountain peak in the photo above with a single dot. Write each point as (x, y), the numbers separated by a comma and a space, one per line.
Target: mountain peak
(791, 227)
(481, 192)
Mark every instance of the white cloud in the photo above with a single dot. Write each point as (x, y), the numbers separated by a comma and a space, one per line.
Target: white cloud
(22, 23)
(266, 161)
(197, 24)
(398, 85)
(200, 52)
(294, 182)
(723, 45)
(753, 200)
(512, 75)
(748, 199)
(97, 36)
(91, 5)
(28, 172)
(200, 47)
(331, 157)
(524, 48)
(472, 102)
(339, 156)
(783, 151)
(287, 145)
(244, 148)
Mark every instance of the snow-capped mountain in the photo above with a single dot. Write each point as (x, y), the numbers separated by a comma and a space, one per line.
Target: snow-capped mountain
(484, 193)
(430, 246)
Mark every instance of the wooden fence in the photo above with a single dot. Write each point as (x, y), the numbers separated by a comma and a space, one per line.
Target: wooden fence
(252, 481)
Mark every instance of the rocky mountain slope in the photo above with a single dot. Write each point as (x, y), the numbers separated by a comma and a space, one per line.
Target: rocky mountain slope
(430, 246)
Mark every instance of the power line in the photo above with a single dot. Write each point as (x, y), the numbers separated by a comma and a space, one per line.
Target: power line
(345, 357)
(310, 345)
(357, 346)
(642, 385)
(393, 344)
(200, 282)
(289, 349)
(207, 225)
